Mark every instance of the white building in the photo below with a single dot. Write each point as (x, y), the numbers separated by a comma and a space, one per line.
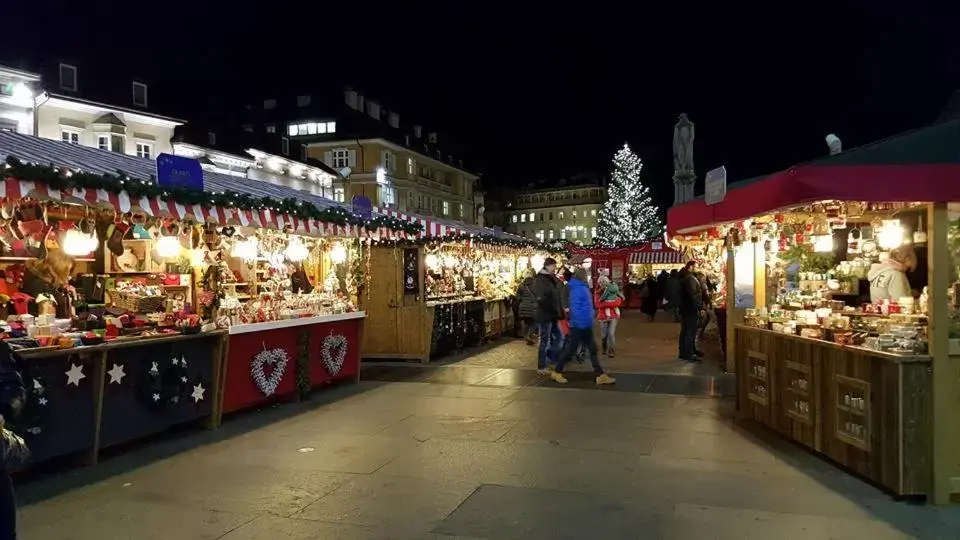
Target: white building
(559, 213)
(107, 127)
(17, 89)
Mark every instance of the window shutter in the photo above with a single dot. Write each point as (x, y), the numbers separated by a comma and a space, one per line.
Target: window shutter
(328, 158)
(383, 159)
(352, 158)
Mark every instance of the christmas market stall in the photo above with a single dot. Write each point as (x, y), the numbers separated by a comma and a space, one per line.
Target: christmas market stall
(843, 279)
(123, 295)
(449, 289)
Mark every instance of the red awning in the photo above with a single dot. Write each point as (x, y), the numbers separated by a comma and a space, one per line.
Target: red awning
(655, 253)
(920, 166)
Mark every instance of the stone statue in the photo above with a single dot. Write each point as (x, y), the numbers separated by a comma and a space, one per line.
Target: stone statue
(480, 218)
(683, 145)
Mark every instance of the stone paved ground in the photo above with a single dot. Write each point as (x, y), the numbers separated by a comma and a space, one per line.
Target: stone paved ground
(642, 347)
(399, 460)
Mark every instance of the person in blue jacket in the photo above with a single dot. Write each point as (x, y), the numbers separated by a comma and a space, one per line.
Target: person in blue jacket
(581, 329)
(12, 448)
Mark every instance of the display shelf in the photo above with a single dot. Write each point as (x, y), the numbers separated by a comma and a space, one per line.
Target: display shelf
(760, 377)
(852, 409)
(288, 323)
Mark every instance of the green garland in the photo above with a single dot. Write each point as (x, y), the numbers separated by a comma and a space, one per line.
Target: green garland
(303, 362)
(115, 183)
(477, 239)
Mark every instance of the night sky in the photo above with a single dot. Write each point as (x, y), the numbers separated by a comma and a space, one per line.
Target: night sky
(537, 90)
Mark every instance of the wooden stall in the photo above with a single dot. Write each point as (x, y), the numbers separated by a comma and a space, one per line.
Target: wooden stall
(867, 410)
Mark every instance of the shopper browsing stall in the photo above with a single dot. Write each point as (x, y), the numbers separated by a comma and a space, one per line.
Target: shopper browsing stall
(690, 304)
(608, 300)
(527, 300)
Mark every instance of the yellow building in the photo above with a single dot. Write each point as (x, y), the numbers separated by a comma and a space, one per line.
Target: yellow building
(559, 213)
(394, 175)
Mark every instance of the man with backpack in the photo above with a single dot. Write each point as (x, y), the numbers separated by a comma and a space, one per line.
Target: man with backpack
(549, 312)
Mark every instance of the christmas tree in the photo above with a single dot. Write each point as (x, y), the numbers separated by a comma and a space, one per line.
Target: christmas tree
(629, 214)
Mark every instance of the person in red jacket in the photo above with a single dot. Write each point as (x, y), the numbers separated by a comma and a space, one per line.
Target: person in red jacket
(608, 299)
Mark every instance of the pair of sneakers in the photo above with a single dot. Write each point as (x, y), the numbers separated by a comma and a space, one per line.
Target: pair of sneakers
(601, 379)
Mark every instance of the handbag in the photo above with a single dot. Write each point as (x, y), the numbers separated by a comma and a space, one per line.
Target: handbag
(13, 449)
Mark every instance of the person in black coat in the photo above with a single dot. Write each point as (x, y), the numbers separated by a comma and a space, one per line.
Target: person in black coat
(691, 304)
(12, 448)
(549, 311)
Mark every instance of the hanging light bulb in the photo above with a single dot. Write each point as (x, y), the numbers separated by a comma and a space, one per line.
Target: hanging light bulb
(890, 235)
(432, 261)
(246, 249)
(823, 243)
(537, 261)
(76, 243)
(168, 247)
(338, 254)
(296, 250)
(197, 256)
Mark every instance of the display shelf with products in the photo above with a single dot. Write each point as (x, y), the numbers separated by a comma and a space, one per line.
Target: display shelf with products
(799, 403)
(853, 411)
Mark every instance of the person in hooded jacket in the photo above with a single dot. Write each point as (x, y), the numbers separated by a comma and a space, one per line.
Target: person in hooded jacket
(888, 280)
(581, 330)
(12, 448)
(527, 308)
(549, 311)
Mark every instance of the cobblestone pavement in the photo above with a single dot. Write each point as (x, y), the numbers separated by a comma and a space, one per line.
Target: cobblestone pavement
(642, 347)
(401, 460)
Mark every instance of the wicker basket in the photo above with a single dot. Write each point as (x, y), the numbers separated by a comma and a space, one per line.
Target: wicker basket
(138, 304)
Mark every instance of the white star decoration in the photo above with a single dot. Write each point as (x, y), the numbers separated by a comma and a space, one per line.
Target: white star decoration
(156, 397)
(183, 361)
(75, 374)
(174, 361)
(154, 370)
(183, 379)
(42, 401)
(116, 374)
(198, 391)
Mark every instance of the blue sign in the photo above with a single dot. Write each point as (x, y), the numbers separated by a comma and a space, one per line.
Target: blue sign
(362, 206)
(179, 172)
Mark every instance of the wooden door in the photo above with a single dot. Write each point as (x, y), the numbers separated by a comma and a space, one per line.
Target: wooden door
(381, 336)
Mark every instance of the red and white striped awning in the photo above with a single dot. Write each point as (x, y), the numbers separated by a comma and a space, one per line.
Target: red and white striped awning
(12, 188)
(430, 226)
(656, 253)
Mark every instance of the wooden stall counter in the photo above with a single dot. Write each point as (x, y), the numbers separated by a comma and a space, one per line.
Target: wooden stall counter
(867, 410)
(83, 399)
(263, 358)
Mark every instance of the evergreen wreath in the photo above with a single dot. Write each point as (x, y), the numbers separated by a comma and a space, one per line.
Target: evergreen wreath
(53, 177)
(165, 384)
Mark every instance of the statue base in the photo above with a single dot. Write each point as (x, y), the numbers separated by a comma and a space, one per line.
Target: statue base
(683, 183)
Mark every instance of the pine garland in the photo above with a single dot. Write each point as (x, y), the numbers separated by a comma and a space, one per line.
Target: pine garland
(478, 241)
(136, 188)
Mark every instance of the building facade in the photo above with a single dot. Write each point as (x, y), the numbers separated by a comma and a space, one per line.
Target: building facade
(562, 213)
(17, 89)
(404, 169)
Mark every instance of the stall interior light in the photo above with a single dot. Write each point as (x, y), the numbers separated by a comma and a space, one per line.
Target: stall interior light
(537, 262)
(890, 235)
(197, 257)
(168, 247)
(246, 249)
(432, 261)
(296, 250)
(338, 254)
(77, 243)
(822, 243)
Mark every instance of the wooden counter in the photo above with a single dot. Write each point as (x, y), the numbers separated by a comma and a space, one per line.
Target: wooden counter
(867, 410)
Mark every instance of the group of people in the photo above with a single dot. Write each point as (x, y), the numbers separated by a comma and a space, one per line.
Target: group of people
(562, 312)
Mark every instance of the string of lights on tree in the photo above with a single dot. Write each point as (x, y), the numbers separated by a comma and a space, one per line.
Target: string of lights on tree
(629, 215)
(59, 179)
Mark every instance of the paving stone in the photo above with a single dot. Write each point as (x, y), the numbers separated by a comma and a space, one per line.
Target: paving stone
(279, 528)
(390, 502)
(724, 446)
(450, 427)
(586, 436)
(506, 512)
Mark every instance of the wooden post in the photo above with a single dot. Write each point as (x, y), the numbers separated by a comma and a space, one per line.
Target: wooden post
(219, 363)
(731, 315)
(99, 381)
(759, 276)
(946, 369)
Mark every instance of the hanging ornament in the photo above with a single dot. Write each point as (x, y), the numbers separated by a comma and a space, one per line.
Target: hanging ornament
(919, 236)
(75, 374)
(296, 250)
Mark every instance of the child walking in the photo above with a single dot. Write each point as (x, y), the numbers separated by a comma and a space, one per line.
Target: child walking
(608, 300)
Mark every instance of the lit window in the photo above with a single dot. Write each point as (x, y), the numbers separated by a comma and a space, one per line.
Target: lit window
(593, 232)
(271, 128)
(322, 128)
(144, 150)
(573, 234)
(561, 214)
(103, 142)
(331, 127)
(514, 218)
(523, 218)
(446, 208)
(411, 166)
(531, 217)
(540, 234)
(388, 195)
(72, 137)
(593, 213)
(461, 211)
(388, 160)
(563, 234)
(340, 158)
(551, 234)
(574, 214)
(293, 130)
(338, 194)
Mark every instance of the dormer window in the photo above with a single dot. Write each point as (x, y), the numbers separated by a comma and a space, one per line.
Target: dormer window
(140, 94)
(68, 77)
(301, 129)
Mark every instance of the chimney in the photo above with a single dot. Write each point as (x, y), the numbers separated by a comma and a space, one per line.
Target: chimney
(394, 120)
(351, 98)
(417, 131)
(406, 140)
(373, 109)
(432, 137)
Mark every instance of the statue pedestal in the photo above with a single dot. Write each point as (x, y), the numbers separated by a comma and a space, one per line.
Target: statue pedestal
(683, 182)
